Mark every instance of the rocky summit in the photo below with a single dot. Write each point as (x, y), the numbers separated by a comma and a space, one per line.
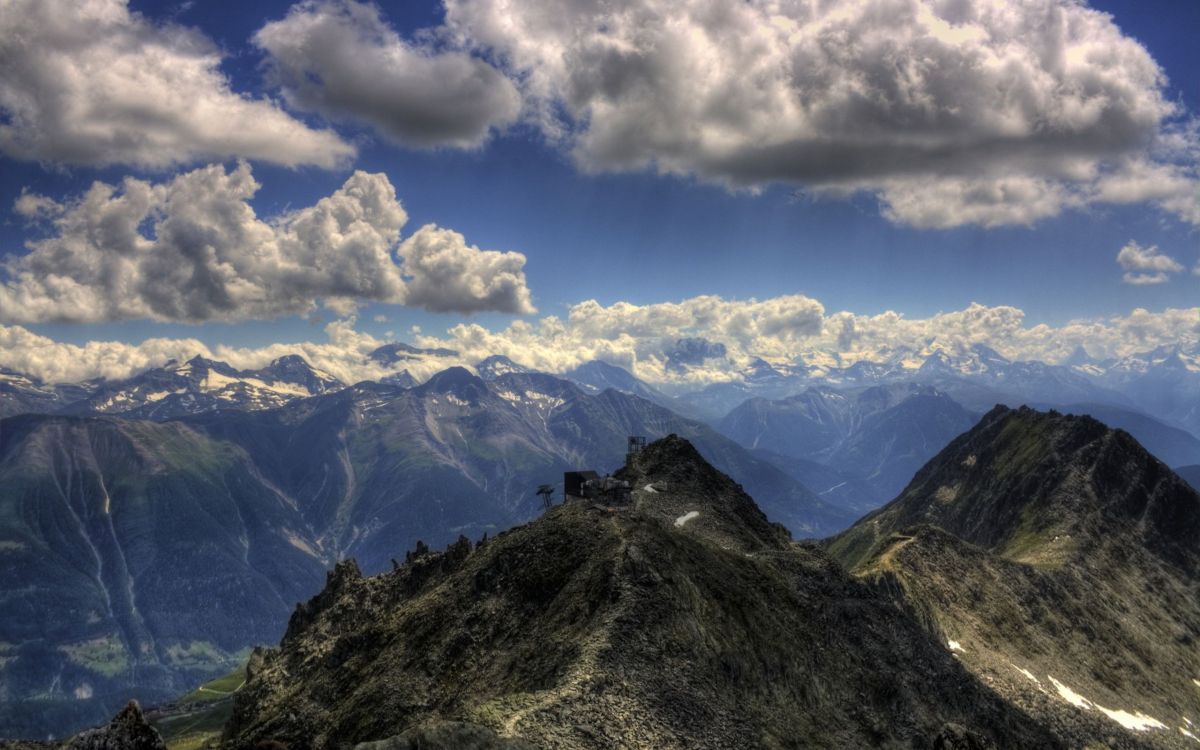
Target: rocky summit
(1059, 562)
(681, 618)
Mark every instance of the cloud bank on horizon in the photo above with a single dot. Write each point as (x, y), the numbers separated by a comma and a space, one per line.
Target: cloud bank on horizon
(951, 113)
(720, 337)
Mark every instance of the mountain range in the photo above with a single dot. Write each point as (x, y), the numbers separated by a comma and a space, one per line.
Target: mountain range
(103, 598)
(288, 464)
(1037, 584)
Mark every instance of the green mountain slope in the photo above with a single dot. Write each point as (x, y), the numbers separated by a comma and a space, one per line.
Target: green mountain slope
(1061, 562)
(135, 558)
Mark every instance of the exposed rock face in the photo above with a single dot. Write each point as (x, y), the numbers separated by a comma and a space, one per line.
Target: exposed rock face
(1059, 561)
(127, 731)
(688, 620)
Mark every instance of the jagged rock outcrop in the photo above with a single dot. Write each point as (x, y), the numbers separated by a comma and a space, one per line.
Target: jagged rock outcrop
(127, 731)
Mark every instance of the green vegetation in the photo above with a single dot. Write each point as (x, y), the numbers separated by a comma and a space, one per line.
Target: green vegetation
(201, 654)
(203, 714)
(105, 655)
(1022, 443)
(218, 689)
(1034, 544)
(197, 729)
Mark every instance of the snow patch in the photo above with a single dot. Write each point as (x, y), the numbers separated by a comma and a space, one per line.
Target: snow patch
(679, 522)
(456, 400)
(1186, 733)
(215, 381)
(83, 692)
(1070, 696)
(545, 399)
(1139, 722)
(954, 646)
(1028, 674)
(650, 488)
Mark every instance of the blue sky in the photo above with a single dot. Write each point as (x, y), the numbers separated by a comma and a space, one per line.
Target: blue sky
(644, 237)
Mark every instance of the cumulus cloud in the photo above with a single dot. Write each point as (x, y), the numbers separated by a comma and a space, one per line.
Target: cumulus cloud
(445, 274)
(90, 82)
(192, 249)
(341, 59)
(1146, 265)
(727, 335)
(978, 112)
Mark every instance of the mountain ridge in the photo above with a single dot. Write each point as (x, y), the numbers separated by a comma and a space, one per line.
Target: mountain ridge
(1061, 563)
(594, 627)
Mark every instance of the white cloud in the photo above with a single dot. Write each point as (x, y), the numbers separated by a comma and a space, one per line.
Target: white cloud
(1146, 265)
(642, 337)
(445, 274)
(339, 58)
(976, 112)
(192, 249)
(944, 202)
(90, 82)
(784, 329)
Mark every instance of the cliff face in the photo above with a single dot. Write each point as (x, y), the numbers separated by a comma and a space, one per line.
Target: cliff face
(1059, 561)
(686, 620)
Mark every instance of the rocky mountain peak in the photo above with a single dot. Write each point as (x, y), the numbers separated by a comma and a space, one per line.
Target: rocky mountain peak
(497, 365)
(456, 381)
(128, 730)
(1043, 487)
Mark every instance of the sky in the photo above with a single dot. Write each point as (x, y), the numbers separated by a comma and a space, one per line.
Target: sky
(561, 180)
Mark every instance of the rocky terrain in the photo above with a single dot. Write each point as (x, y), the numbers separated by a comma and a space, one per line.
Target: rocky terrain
(1061, 564)
(128, 730)
(685, 620)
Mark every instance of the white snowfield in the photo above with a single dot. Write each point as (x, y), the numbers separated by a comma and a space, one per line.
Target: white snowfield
(686, 517)
(1139, 722)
